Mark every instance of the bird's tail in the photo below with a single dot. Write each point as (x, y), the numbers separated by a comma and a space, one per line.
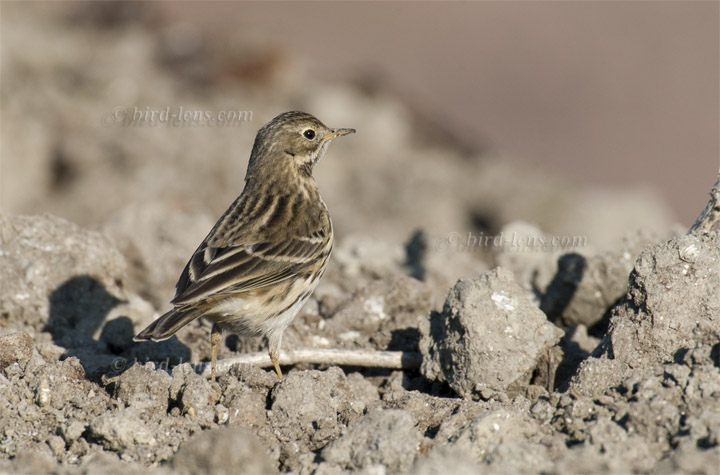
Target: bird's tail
(166, 326)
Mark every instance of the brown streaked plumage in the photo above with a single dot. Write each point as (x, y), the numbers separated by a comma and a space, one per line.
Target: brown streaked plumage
(267, 252)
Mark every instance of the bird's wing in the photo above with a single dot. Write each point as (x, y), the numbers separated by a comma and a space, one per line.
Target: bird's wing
(241, 267)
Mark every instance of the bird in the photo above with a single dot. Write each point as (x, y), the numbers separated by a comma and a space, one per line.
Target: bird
(266, 254)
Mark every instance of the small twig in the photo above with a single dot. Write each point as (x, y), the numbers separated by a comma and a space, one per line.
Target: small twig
(711, 214)
(331, 357)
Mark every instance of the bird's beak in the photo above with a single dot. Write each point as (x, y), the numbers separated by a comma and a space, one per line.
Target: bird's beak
(337, 133)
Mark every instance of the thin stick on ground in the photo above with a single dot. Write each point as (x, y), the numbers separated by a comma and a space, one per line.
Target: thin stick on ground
(324, 356)
(710, 216)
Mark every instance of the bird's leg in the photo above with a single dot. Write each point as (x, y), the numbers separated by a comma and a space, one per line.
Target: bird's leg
(273, 358)
(215, 334)
(274, 340)
(550, 370)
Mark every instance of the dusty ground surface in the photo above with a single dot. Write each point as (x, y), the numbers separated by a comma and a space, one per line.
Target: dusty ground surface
(599, 356)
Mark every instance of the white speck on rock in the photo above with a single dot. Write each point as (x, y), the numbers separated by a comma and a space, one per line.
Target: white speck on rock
(349, 336)
(503, 301)
(375, 306)
(318, 340)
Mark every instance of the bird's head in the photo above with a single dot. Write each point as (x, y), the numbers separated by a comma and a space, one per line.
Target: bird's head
(292, 142)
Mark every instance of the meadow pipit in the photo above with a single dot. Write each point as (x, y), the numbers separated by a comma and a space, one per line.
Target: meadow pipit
(266, 254)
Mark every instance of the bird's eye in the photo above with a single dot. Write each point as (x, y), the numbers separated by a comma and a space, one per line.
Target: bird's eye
(309, 134)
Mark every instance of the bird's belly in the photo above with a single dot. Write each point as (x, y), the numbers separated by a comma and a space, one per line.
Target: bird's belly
(263, 312)
(235, 311)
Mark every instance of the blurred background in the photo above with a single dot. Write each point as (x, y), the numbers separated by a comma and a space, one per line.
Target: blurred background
(580, 118)
(611, 93)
